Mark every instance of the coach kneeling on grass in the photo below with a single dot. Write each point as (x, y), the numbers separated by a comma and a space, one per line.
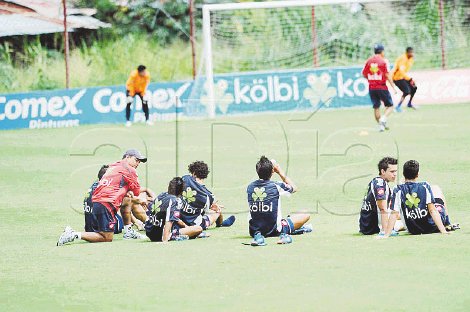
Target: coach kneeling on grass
(120, 180)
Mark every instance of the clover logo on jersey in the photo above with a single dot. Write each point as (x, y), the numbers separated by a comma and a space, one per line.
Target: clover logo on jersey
(156, 206)
(189, 195)
(374, 68)
(318, 90)
(259, 194)
(221, 98)
(412, 200)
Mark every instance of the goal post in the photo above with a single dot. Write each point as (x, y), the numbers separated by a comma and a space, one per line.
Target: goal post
(245, 39)
(207, 9)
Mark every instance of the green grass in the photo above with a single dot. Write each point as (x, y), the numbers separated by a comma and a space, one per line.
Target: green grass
(333, 269)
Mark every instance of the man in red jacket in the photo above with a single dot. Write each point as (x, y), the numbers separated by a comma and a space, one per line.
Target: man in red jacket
(376, 72)
(119, 181)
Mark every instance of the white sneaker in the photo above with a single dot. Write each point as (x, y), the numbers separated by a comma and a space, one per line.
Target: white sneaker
(149, 123)
(67, 236)
(381, 128)
(128, 123)
(133, 234)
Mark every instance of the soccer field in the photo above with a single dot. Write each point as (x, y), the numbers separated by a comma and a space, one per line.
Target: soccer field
(331, 155)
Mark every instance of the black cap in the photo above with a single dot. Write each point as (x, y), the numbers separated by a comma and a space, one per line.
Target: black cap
(136, 154)
(378, 48)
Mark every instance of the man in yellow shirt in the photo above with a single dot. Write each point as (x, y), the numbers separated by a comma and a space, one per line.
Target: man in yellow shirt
(137, 84)
(402, 80)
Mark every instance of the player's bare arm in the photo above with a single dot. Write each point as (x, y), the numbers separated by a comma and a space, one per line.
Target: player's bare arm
(437, 218)
(277, 169)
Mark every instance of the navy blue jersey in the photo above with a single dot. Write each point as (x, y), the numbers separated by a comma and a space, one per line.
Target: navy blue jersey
(165, 208)
(411, 200)
(369, 219)
(88, 207)
(197, 198)
(265, 206)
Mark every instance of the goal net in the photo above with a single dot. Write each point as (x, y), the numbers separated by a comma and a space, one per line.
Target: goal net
(289, 35)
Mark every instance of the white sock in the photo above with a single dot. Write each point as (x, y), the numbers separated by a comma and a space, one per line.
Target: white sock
(127, 228)
(383, 119)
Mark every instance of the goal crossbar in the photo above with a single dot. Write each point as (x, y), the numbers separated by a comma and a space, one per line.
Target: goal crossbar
(207, 35)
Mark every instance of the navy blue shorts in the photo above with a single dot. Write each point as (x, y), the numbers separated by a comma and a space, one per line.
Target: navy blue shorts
(379, 96)
(206, 222)
(104, 220)
(287, 226)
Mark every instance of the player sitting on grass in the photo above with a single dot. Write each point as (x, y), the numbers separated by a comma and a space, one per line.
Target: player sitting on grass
(200, 206)
(88, 205)
(416, 204)
(138, 205)
(265, 219)
(375, 205)
(164, 223)
(119, 180)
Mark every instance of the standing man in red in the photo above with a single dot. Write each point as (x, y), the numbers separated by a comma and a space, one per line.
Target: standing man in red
(120, 180)
(376, 72)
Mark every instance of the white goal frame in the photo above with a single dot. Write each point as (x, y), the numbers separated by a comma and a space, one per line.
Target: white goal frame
(207, 35)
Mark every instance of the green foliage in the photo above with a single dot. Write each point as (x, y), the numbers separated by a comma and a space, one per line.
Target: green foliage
(101, 63)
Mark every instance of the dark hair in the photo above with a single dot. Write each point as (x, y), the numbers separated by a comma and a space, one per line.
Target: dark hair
(102, 171)
(385, 162)
(176, 186)
(411, 169)
(264, 168)
(199, 169)
(141, 68)
(409, 49)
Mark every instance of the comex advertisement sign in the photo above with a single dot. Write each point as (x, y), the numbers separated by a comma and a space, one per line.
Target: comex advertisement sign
(233, 94)
(68, 108)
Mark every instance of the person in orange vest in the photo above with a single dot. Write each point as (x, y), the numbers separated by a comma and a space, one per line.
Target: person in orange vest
(401, 79)
(137, 84)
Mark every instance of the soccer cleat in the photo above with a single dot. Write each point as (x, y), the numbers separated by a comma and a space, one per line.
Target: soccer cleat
(306, 228)
(411, 106)
(149, 123)
(258, 240)
(284, 239)
(203, 234)
(229, 221)
(133, 234)
(381, 128)
(453, 227)
(67, 236)
(180, 238)
(398, 109)
(394, 233)
(128, 123)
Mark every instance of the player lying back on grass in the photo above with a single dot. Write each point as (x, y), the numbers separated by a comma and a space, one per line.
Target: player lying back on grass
(200, 206)
(416, 204)
(164, 223)
(265, 218)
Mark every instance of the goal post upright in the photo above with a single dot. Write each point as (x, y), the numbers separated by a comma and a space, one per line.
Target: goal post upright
(207, 32)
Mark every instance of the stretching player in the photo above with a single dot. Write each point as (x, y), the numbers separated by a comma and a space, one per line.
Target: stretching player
(401, 79)
(416, 204)
(119, 180)
(265, 219)
(376, 72)
(200, 206)
(139, 206)
(137, 85)
(377, 198)
(164, 223)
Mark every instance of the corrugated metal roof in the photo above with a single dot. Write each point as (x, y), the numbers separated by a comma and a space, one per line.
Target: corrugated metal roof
(17, 24)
